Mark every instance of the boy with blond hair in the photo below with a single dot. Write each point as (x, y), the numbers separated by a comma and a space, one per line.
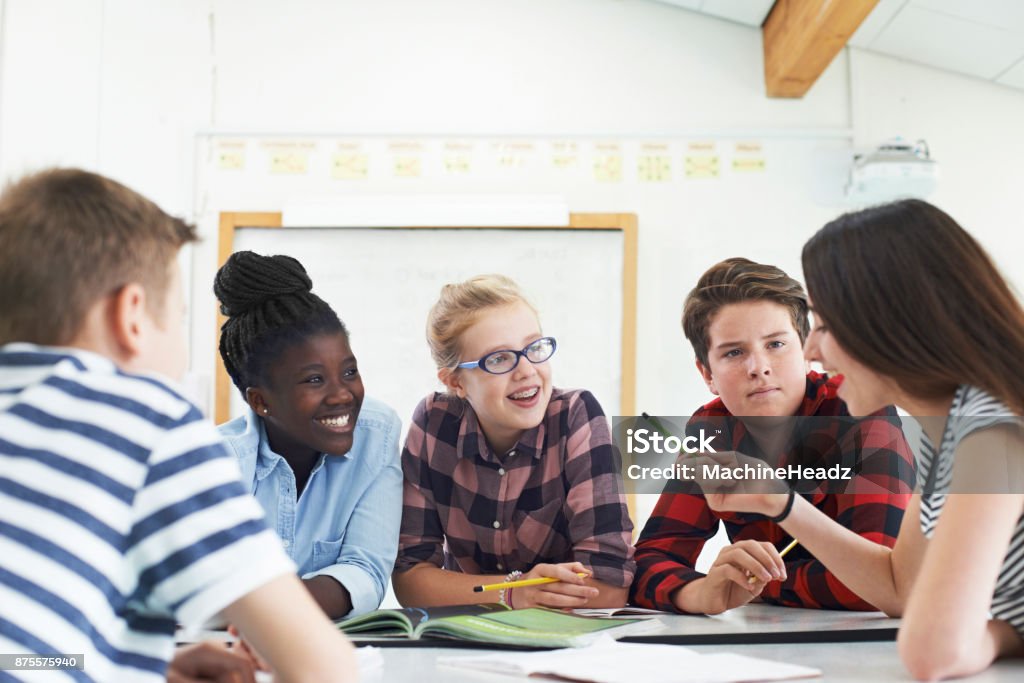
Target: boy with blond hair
(121, 513)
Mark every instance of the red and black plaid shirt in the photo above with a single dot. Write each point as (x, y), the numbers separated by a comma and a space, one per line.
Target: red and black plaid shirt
(682, 522)
(556, 496)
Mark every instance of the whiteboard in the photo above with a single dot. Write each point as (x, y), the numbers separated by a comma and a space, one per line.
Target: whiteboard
(383, 281)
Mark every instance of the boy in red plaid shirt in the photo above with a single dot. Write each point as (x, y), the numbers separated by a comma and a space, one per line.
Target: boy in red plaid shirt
(747, 323)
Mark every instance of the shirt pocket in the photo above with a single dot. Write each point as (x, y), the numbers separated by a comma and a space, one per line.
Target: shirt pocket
(541, 534)
(325, 553)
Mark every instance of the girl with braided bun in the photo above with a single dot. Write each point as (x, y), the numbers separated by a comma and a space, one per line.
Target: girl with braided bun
(319, 455)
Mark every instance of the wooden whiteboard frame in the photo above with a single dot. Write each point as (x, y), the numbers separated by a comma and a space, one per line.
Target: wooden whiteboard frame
(626, 223)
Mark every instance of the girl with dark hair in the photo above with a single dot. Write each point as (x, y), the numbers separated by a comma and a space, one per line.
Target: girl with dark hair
(320, 456)
(911, 311)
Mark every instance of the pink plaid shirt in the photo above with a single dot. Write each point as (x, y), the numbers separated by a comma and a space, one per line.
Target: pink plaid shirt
(556, 496)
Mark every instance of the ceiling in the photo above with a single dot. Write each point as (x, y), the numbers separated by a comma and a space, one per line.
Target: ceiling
(980, 38)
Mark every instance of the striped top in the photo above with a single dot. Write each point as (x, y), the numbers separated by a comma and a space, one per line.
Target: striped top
(121, 514)
(973, 409)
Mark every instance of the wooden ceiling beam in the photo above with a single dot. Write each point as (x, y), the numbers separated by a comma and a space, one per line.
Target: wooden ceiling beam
(801, 37)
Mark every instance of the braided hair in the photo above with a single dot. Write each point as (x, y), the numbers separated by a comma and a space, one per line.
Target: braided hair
(270, 306)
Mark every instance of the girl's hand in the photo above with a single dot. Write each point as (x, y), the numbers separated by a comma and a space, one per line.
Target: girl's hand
(568, 592)
(741, 484)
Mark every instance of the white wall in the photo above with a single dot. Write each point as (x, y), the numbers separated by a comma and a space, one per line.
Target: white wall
(974, 130)
(122, 86)
(117, 86)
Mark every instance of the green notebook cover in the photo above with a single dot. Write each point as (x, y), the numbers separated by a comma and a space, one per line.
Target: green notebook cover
(534, 626)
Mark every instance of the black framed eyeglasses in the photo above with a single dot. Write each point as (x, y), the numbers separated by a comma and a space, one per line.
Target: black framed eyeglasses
(506, 360)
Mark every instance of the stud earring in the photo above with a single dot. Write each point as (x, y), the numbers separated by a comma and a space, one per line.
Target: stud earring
(265, 411)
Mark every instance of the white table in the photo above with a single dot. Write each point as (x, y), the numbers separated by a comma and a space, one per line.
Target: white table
(842, 661)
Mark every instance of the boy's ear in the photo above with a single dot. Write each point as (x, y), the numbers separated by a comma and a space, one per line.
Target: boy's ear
(128, 320)
(452, 381)
(706, 375)
(257, 401)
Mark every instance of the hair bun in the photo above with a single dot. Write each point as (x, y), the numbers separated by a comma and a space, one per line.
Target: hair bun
(249, 279)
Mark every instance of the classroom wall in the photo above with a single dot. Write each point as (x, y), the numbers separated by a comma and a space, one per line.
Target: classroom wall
(122, 87)
(973, 129)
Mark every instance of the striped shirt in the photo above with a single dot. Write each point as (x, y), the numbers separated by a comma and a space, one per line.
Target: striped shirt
(556, 496)
(121, 514)
(972, 410)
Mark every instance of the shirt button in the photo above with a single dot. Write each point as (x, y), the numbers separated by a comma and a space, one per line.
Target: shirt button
(500, 567)
(512, 453)
(286, 543)
(497, 524)
(501, 471)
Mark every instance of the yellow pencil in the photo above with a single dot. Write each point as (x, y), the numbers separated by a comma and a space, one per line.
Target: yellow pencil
(522, 582)
(790, 546)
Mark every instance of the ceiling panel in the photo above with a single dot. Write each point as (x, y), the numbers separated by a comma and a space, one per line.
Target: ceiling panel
(1014, 77)
(685, 4)
(876, 22)
(1007, 14)
(749, 12)
(947, 42)
(980, 38)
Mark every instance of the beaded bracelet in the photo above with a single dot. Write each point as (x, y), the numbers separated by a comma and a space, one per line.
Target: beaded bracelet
(502, 595)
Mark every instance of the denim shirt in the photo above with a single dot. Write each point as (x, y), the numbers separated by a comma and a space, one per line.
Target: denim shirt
(345, 524)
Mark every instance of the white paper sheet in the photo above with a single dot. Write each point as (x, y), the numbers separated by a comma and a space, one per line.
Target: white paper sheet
(608, 661)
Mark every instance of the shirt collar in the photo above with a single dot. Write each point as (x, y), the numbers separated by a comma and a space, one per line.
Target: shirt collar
(472, 442)
(815, 394)
(267, 459)
(88, 360)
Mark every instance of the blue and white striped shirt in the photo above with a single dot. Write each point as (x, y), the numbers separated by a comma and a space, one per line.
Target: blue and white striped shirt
(121, 514)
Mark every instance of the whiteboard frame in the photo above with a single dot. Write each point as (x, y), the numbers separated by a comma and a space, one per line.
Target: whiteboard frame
(626, 223)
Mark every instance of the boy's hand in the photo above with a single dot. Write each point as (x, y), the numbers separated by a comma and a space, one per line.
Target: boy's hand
(767, 504)
(568, 592)
(203, 662)
(737, 576)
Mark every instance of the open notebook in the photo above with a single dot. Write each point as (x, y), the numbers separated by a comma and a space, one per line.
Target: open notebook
(491, 623)
(608, 661)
